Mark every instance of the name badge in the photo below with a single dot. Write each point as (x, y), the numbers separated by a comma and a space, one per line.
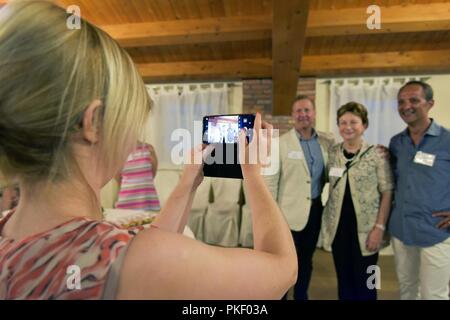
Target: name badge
(295, 155)
(336, 172)
(425, 159)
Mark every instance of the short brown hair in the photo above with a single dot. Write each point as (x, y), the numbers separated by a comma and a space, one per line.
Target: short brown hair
(357, 109)
(427, 90)
(303, 97)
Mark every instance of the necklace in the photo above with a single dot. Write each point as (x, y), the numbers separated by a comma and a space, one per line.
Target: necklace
(349, 155)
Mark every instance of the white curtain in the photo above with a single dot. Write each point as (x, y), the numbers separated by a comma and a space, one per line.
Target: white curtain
(379, 96)
(178, 106)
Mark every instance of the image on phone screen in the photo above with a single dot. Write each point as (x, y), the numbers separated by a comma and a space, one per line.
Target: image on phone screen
(225, 128)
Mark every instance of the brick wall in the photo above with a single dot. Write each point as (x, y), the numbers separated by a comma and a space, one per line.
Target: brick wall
(258, 98)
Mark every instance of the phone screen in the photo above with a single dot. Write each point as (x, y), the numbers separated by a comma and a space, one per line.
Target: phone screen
(225, 128)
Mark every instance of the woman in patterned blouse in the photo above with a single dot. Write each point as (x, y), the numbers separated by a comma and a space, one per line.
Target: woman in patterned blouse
(358, 206)
(72, 106)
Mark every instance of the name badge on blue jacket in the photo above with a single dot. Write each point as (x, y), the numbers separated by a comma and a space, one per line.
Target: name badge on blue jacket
(425, 159)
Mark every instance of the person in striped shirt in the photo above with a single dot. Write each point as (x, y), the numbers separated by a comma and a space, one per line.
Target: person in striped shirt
(136, 180)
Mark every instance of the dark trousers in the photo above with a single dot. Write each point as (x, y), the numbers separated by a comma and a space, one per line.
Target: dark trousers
(305, 243)
(351, 266)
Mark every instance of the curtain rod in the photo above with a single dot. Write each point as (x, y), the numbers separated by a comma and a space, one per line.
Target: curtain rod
(181, 84)
(190, 86)
(386, 78)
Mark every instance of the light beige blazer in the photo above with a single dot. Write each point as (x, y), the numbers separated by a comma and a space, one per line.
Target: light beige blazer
(291, 185)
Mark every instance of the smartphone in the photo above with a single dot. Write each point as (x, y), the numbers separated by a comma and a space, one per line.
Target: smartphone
(223, 131)
(225, 128)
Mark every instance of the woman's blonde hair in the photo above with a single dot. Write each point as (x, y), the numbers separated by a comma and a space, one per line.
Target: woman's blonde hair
(49, 74)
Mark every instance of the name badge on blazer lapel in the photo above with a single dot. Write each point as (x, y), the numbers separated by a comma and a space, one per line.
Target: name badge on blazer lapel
(295, 155)
(336, 172)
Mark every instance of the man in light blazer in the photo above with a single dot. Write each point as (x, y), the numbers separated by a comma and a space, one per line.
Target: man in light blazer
(298, 184)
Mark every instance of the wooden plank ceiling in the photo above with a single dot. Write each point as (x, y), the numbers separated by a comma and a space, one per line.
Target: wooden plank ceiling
(182, 40)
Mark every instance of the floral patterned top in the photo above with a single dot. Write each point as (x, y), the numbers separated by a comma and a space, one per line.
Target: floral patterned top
(369, 177)
(41, 266)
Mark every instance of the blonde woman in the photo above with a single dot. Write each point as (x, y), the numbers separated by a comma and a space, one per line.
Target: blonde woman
(72, 105)
(358, 207)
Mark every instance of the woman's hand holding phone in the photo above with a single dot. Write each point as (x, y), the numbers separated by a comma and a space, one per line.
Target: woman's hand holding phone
(193, 169)
(254, 155)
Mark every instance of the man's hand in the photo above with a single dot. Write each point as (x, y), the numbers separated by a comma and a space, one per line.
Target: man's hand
(383, 151)
(445, 222)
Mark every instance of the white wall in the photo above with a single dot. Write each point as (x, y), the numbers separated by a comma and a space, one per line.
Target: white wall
(322, 106)
(440, 111)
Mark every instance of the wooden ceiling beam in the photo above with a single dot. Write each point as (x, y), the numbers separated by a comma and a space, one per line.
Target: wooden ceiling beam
(212, 69)
(394, 19)
(239, 28)
(337, 22)
(320, 65)
(427, 60)
(288, 40)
